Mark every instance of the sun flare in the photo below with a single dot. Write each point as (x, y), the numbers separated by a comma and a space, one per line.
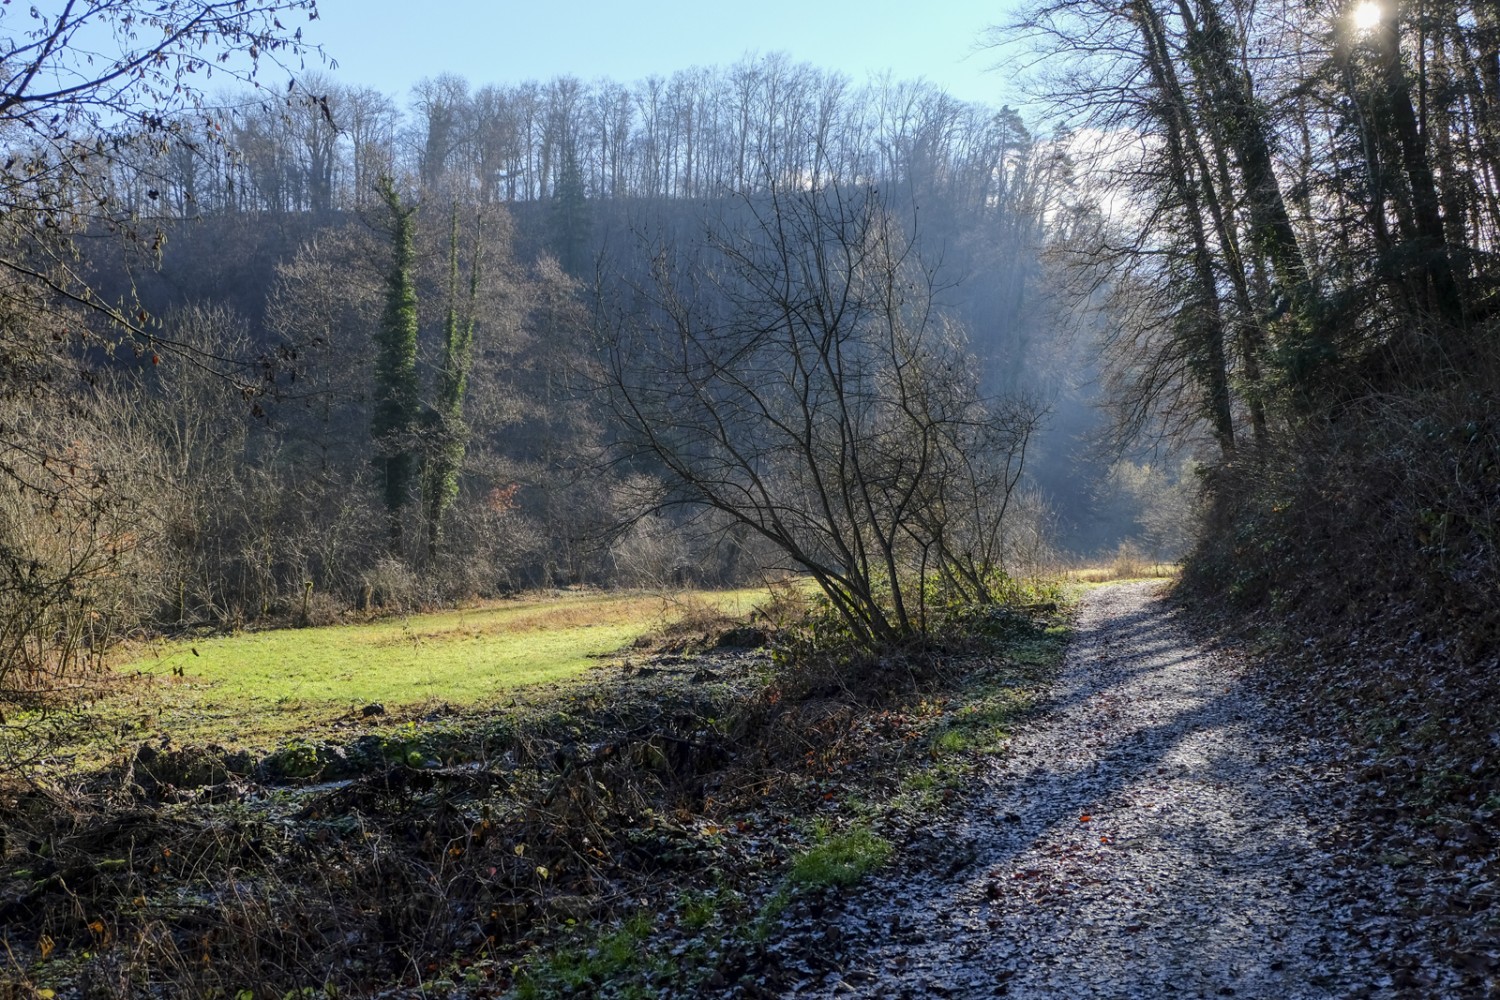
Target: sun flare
(1366, 15)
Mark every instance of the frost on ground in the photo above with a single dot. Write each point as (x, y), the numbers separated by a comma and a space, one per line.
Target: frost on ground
(1154, 833)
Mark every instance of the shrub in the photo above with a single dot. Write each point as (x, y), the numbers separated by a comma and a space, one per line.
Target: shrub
(393, 585)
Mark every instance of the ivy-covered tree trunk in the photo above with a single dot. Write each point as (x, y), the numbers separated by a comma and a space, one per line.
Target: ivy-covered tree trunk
(397, 399)
(449, 435)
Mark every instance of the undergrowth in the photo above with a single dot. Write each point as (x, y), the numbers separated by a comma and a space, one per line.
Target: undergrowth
(1362, 559)
(650, 830)
(1367, 552)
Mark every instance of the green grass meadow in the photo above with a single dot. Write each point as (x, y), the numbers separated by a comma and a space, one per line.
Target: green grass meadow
(264, 685)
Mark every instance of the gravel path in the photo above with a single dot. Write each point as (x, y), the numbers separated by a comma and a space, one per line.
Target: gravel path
(1150, 835)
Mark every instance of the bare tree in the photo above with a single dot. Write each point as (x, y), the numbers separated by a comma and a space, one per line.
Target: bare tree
(370, 119)
(441, 131)
(794, 375)
(80, 85)
(85, 88)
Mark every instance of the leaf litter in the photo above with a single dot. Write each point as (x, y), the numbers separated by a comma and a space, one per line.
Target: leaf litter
(1157, 830)
(1161, 829)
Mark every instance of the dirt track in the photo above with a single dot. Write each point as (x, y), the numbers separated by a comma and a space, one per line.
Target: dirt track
(1152, 834)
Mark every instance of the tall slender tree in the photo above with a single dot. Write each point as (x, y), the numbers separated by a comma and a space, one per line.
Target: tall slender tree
(448, 433)
(397, 403)
(570, 215)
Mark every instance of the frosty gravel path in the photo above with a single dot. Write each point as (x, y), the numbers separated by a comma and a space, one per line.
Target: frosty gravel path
(1143, 837)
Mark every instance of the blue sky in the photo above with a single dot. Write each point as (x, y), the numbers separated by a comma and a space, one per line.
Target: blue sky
(390, 44)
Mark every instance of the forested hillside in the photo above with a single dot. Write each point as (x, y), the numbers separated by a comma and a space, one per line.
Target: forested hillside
(233, 290)
(278, 350)
(1265, 238)
(1262, 239)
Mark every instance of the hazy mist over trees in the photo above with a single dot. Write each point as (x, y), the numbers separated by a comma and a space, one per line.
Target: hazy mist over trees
(350, 345)
(360, 339)
(709, 475)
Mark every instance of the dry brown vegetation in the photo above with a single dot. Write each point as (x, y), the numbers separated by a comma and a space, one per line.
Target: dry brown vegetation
(1364, 561)
(1128, 563)
(667, 792)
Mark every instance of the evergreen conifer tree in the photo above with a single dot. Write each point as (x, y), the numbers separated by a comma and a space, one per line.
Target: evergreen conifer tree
(570, 216)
